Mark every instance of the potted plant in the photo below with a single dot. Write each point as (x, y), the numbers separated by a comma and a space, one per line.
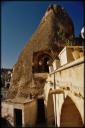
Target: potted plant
(67, 42)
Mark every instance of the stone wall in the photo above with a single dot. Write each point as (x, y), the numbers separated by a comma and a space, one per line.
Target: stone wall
(30, 113)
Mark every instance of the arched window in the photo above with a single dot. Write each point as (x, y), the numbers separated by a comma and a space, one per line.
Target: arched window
(41, 63)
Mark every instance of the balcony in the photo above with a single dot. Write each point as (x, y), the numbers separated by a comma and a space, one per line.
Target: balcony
(42, 75)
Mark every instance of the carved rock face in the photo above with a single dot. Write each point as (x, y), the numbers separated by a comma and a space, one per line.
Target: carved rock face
(54, 28)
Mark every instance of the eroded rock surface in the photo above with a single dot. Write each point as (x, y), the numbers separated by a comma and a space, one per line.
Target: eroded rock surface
(54, 28)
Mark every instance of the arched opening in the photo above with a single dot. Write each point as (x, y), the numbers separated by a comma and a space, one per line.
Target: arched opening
(41, 62)
(50, 111)
(70, 116)
(43, 65)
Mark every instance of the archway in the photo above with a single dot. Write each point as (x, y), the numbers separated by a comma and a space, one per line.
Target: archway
(70, 116)
(41, 62)
(50, 110)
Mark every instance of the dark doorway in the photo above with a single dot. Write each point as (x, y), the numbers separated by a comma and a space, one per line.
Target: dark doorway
(17, 118)
(41, 121)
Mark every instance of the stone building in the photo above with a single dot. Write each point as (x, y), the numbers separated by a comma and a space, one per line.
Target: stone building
(17, 111)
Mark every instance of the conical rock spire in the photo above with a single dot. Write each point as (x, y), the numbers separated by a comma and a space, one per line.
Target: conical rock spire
(54, 28)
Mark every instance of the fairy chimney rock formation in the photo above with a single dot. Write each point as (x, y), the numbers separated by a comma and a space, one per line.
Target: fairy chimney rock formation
(55, 27)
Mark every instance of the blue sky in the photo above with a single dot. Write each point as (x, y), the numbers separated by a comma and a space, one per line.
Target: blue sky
(19, 21)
